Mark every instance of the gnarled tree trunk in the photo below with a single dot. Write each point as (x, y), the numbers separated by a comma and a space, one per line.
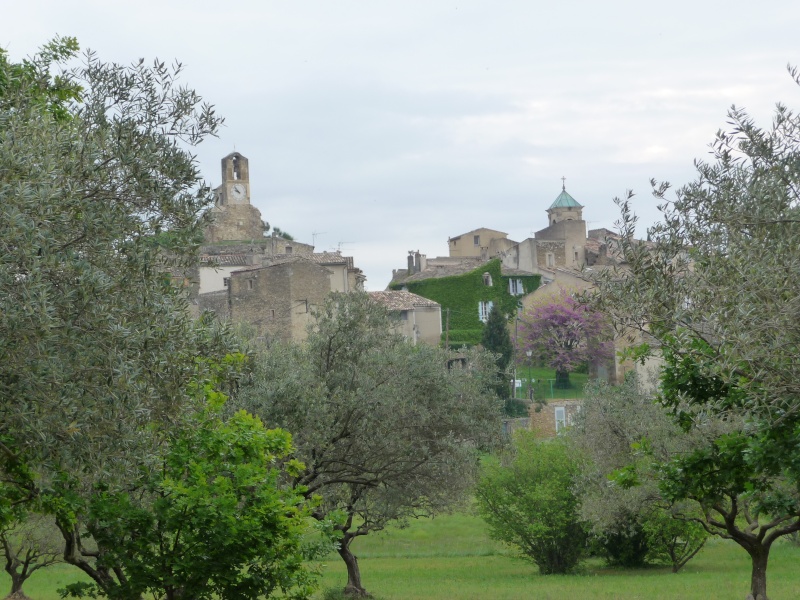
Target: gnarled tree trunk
(354, 587)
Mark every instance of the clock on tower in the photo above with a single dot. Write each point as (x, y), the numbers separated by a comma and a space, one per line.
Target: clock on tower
(235, 179)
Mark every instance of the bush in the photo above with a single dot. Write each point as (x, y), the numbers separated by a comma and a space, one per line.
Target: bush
(673, 541)
(624, 546)
(515, 408)
(529, 503)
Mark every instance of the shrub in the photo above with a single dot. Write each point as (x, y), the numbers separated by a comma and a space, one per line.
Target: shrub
(528, 503)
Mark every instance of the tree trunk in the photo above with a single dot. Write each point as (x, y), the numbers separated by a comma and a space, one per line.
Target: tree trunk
(758, 577)
(16, 582)
(562, 380)
(354, 587)
(12, 567)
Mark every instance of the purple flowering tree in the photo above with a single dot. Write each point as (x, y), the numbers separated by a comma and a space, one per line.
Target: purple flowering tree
(563, 334)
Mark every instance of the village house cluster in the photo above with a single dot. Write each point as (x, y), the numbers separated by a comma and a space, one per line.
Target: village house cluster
(273, 284)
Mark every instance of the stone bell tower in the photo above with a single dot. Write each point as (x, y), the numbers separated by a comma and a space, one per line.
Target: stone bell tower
(233, 217)
(235, 188)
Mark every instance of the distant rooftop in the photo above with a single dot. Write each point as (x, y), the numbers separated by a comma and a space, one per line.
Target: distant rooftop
(564, 200)
(401, 300)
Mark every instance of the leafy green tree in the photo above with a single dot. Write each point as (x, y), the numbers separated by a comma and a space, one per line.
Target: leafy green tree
(28, 545)
(388, 431)
(100, 213)
(715, 289)
(214, 520)
(33, 79)
(671, 540)
(621, 428)
(528, 502)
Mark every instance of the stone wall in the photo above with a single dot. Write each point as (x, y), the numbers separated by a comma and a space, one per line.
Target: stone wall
(277, 300)
(215, 302)
(543, 423)
(234, 222)
(557, 249)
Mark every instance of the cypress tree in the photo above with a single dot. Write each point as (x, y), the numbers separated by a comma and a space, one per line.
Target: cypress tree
(496, 339)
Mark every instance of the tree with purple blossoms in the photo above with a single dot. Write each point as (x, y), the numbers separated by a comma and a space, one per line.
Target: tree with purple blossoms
(563, 334)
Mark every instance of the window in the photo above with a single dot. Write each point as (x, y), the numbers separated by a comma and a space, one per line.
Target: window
(561, 418)
(487, 279)
(476, 240)
(484, 308)
(288, 249)
(576, 256)
(404, 315)
(551, 260)
(249, 284)
(226, 282)
(515, 287)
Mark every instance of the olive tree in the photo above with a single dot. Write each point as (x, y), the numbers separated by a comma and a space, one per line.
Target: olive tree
(29, 544)
(716, 291)
(101, 210)
(622, 429)
(388, 431)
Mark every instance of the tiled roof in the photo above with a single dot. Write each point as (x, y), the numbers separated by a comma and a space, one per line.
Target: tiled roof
(329, 258)
(399, 300)
(225, 260)
(592, 245)
(444, 270)
(468, 233)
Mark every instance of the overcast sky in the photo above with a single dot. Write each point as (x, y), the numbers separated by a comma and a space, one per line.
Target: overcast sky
(380, 127)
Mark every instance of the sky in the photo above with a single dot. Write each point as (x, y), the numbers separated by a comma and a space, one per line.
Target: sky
(382, 127)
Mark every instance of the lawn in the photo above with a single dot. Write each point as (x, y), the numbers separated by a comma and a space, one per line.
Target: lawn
(452, 558)
(543, 387)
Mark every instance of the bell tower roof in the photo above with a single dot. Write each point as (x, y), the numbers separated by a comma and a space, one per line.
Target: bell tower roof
(564, 200)
(235, 167)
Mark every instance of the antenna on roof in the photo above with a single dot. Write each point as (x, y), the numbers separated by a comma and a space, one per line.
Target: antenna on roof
(314, 235)
(339, 247)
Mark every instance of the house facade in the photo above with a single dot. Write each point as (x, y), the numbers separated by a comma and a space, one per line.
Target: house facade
(467, 290)
(419, 319)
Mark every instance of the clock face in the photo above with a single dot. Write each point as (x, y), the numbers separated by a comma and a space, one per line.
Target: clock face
(238, 191)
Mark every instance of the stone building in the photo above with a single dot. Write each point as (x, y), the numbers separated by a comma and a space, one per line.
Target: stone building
(268, 281)
(564, 244)
(548, 420)
(419, 319)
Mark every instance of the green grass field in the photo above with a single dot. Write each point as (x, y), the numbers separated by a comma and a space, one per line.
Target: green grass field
(542, 388)
(452, 558)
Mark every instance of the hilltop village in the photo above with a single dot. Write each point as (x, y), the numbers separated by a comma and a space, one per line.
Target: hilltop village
(247, 274)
